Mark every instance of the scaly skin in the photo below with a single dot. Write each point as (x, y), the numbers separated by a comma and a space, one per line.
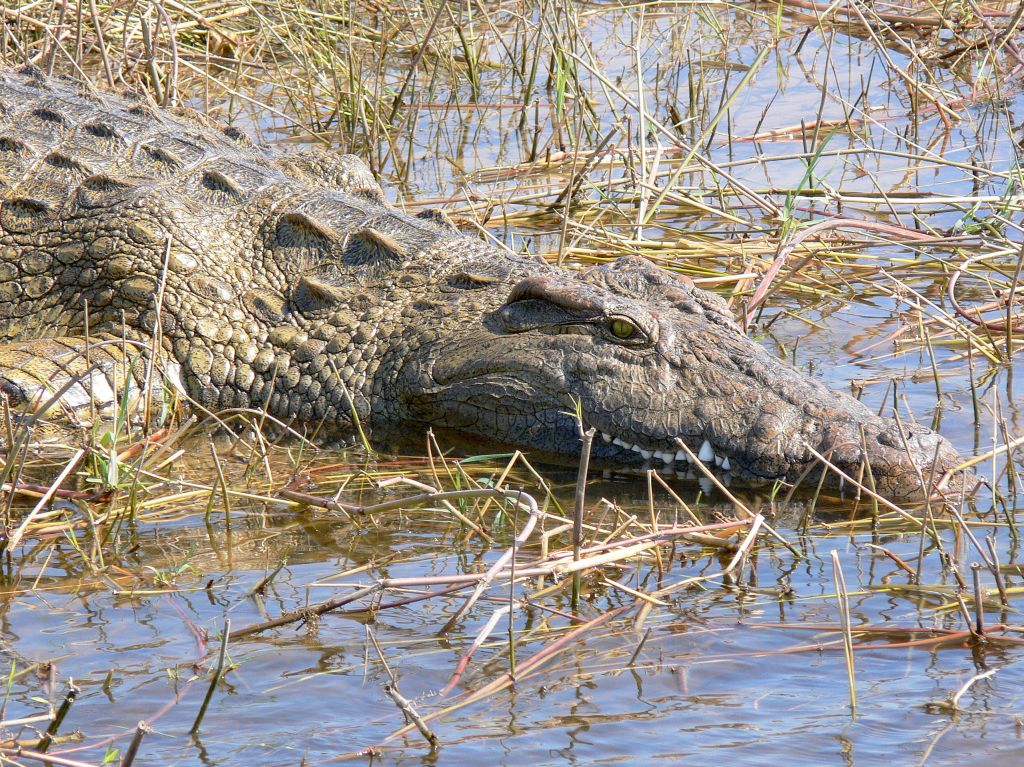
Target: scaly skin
(288, 282)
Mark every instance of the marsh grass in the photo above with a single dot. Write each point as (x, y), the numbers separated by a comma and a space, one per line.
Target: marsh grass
(583, 133)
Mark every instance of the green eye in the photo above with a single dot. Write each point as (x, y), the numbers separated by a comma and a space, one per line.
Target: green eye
(623, 329)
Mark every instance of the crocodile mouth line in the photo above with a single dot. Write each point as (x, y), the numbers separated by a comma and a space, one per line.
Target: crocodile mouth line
(706, 453)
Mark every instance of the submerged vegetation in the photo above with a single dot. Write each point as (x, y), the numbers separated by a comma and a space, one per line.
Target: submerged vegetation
(847, 176)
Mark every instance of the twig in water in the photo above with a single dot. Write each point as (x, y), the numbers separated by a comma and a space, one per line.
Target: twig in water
(58, 719)
(1009, 324)
(1015, 443)
(519, 540)
(894, 557)
(405, 705)
(133, 747)
(223, 486)
(587, 438)
(10, 754)
(748, 541)
(955, 700)
(990, 542)
(480, 638)
(844, 618)
(965, 613)
(380, 654)
(216, 677)
(639, 647)
(260, 587)
(979, 599)
(305, 613)
(482, 581)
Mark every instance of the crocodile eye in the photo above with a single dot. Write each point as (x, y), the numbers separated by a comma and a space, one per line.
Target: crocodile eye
(623, 329)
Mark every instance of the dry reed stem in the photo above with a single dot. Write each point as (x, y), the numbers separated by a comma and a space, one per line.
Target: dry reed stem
(527, 666)
(19, 532)
(14, 754)
(847, 628)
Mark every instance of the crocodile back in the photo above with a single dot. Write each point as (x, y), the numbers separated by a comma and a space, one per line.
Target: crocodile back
(91, 188)
(56, 135)
(117, 217)
(95, 188)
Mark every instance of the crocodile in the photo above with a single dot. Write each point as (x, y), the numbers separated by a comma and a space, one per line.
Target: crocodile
(283, 281)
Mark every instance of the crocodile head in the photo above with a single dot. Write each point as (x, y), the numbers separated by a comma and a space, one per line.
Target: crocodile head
(649, 359)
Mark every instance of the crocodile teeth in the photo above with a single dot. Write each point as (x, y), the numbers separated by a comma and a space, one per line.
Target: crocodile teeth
(705, 455)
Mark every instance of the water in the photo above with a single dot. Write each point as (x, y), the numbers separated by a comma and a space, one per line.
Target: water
(749, 671)
(731, 673)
